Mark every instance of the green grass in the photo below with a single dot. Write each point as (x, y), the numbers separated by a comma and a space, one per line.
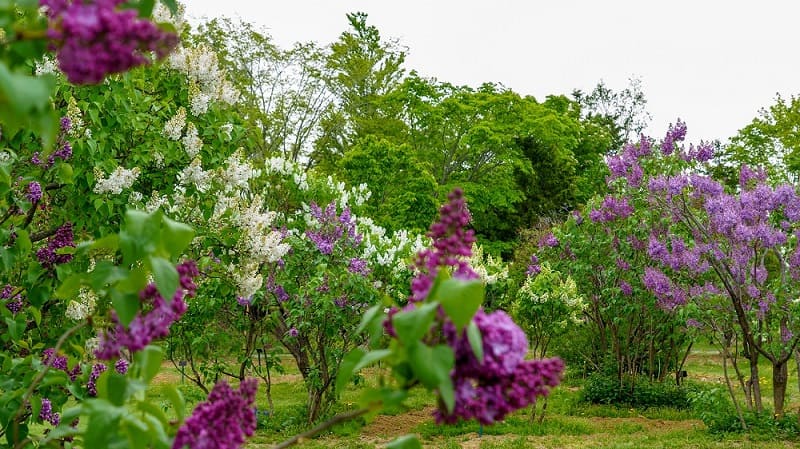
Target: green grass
(569, 423)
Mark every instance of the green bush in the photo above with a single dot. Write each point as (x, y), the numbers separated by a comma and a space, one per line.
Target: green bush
(634, 392)
(714, 407)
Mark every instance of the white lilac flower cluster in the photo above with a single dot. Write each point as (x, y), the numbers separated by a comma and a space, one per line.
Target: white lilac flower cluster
(194, 175)
(238, 173)
(173, 129)
(285, 167)
(78, 309)
(162, 14)
(359, 194)
(207, 81)
(121, 179)
(393, 251)
(557, 288)
(259, 240)
(490, 269)
(191, 141)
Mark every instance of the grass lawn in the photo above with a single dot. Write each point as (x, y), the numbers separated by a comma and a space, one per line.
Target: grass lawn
(569, 422)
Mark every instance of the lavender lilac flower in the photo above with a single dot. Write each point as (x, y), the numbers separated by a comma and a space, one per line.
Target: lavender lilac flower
(332, 229)
(503, 381)
(222, 421)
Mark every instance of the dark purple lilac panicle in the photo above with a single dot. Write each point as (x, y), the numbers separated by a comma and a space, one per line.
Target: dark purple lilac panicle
(47, 414)
(34, 192)
(503, 381)
(97, 370)
(145, 327)
(96, 38)
(223, 421)
(63, 238)
(452, 244)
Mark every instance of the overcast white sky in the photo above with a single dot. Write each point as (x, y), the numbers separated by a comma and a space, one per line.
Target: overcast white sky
(713, 63)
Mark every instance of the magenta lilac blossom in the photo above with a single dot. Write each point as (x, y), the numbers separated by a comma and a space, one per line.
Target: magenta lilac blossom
(96, 38)
(488, 390)
(146, 327)
(223, 420)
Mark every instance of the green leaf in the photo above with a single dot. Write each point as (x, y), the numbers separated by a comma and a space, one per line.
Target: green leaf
(155, 411)
(460, 299)
(475, 340)
(371, 314)
(372, 357)
(175, 398)
(145, 7)
(348, 367)
(70, 287)
(148, 362)
(109, 242)
(405, 442)
(413, 324)
(165, 275)
(65, 173)
(112, 386)
(176, 236)
(447, 394)
(431, 365)
(172, 5)
(126, 305)
(25, 103)
(37, 315)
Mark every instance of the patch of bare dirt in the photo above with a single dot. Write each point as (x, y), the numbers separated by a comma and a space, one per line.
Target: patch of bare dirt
(389, 427)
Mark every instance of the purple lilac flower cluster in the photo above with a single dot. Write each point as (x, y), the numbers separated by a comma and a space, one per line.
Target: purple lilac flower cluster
(668, 295)
(34, 192)
(63, 238)
(46, 413)
(97, 370)
(57, 361)
(96, 38)
(121, 366)
(13, 301)
(626, 163)
(675, 134)
(534, 267)
(146, 327)
(503, 381)
(223, 420)
(358, 266)
(451, 245)
(612, 208)
(332, 228)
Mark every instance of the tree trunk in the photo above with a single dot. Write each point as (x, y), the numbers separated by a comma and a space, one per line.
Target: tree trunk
(780, 377)
(730, 388)
(755, 387)
(314, 405)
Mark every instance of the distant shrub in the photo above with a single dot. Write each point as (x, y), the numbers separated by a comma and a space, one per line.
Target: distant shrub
(637, 392)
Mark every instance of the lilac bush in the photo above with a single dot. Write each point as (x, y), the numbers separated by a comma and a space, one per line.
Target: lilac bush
(710, 241)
